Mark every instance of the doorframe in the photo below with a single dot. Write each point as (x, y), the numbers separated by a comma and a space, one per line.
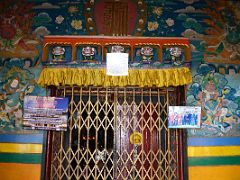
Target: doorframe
(48, 147)
(182, 139)
(183, 161)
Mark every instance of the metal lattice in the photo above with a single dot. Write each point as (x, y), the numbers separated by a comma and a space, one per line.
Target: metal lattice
(97, 144)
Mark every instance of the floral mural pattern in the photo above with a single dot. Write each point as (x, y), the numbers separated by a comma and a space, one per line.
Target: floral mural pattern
(214, 39)
(59, 17)
(215, 42)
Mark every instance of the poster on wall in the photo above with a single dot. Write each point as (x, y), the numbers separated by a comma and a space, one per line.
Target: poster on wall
(117, 64)
(45, 113)
(184, 117)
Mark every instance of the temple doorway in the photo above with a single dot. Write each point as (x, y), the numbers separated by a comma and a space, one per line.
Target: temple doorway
(117, 134)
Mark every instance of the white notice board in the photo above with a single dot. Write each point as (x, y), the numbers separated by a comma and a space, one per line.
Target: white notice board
(117, 64)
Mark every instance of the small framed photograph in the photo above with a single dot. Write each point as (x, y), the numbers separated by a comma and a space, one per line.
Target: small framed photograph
(184, 117)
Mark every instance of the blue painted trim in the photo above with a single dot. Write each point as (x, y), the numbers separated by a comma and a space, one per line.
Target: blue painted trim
(22, 138)
(218, 141)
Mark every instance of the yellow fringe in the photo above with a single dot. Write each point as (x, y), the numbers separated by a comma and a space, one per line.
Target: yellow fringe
(98, 77)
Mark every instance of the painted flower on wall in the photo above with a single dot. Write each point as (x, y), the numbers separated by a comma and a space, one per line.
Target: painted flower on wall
(76, 24)
(72, 10)
(59, 19)
(157, 10)
(152, 26)
(170, 22)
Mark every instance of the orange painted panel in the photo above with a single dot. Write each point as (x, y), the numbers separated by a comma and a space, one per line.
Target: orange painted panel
(15, 171)
(214, 172)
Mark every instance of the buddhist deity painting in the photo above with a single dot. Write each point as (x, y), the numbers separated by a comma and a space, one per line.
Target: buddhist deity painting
(219, 97)
(17, 81)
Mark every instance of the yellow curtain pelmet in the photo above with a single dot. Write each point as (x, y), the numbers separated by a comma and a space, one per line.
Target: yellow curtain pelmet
(98, 77)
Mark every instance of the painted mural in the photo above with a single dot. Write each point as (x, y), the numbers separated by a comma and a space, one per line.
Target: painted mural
(16, 39)
(223, 32)
(216, 78)
(219, 97)
(17, 79)
(215, 44)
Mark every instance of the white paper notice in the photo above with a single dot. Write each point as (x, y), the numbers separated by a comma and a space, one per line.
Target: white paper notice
(117, 64)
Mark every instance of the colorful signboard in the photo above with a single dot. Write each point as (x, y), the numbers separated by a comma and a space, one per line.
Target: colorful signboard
(45, 113)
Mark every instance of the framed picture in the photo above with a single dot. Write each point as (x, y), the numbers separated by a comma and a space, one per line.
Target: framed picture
(184, 117)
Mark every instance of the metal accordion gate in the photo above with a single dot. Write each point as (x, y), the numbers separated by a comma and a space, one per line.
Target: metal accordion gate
(117, 134)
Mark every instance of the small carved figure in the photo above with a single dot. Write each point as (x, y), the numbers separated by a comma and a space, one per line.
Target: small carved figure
(147, 54)
(176, 55)
(88, 53)
(58, 53)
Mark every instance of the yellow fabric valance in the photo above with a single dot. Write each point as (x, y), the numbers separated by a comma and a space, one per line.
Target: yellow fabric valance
(97, 77)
